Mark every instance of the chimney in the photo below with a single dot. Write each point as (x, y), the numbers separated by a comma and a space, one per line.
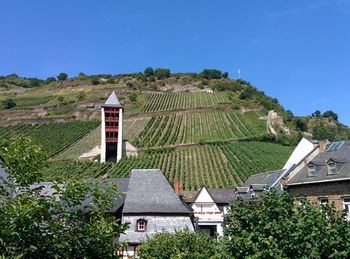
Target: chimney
(176, 186)
(323, 145)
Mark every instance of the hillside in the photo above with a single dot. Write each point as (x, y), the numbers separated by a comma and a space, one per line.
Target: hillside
(198, 128)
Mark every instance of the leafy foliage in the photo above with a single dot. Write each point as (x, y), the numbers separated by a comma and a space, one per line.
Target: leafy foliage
(149, 71)
(9, 103)
(22, 158)
(321, 132)
(182, 244)
(72, 223)
(330, 114)
(301, 124)
(276, 228)
(62, 76)
(211, 73)
(162, 73)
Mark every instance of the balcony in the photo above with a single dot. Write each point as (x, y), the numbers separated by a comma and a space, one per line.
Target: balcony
(111, 140)
(111, 128)
(112, 119)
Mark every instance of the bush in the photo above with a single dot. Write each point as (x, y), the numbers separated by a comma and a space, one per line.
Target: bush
(81, 95)
(330, 114)
(50, 79)
(162, 73)
(227, 86)
(95, 81)
(132, 97)
(247, 94)
(149, 72)
(62, 77)
(182, 244)
(225, 75)
(301, 124)
(211, 73)
(9, 103)
(321, 132)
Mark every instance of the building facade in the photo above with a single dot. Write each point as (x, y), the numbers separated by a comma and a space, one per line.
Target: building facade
(151, 206)
(111, 130)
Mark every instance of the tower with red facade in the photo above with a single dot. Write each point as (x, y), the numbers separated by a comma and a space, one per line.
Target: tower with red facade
(111, 130)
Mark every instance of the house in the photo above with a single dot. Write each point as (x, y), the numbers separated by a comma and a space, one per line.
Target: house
(151, 206)
(324, 177)
(209, 207)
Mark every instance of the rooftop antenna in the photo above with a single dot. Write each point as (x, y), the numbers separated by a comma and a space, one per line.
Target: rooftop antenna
(239, 73)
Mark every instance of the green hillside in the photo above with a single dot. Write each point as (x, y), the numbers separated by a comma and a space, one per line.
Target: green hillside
(201, 129)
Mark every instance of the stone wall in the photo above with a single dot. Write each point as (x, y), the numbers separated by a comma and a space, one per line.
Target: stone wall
(335, 192)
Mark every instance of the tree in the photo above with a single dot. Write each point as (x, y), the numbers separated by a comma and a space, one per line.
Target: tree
(182, 244)
(317, 113)
(162, 73)
(71, 223)
(62, 76)
(60, 226)
(50, 79)
(301, 124)
(95, 81)
(149, 71)
(321, 132)
(330, 114)
(211, 73)
(276, 227)
(9, 103)
(23, 159)
(225, 75)
(247, 94)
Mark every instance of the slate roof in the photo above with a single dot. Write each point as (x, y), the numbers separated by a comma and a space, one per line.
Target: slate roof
(149, 192)
(112, 101)
(341, 157)
(224, 195)
(266, 179)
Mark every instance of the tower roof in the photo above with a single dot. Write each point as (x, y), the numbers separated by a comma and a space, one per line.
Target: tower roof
(112, 101)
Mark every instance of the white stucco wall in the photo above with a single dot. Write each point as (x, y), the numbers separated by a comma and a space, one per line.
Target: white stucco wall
(103, 136)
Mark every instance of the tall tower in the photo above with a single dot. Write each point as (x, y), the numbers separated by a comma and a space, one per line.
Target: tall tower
(111, 129)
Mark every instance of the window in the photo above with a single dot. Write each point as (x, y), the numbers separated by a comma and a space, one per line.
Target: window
(332, 168)
(323, 201)
(346, 204)
(312, 170)
(141, 225)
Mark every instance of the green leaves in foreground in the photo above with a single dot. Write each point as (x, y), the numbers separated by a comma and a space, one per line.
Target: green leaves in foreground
(277, 227)
(72, 223)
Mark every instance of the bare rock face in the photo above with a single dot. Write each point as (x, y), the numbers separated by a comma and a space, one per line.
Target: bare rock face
(129, 150)
(275, 121)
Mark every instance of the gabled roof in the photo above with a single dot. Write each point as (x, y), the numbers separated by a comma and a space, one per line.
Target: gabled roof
(226, 195)
(267, 178)
(341, 156)
(149, 192)
(112, 101)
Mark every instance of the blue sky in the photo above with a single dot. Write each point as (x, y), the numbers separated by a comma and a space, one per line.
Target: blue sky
(297, 51)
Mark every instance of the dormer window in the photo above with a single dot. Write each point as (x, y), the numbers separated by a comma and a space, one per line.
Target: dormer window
(141, 225)
(332, 167)
(312, 169)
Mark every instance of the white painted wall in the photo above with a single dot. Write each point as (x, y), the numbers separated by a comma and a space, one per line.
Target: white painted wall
(303, 148)
(103, 136)
(120, 136)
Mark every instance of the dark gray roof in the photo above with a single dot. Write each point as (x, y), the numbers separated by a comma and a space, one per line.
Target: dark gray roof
(341, 157)
(112, 101)
(222, 195)
(122, 183)
(150, 192)
(266, 179)
(5, 179)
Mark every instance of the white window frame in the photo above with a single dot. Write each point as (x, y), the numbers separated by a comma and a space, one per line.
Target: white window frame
(346, 206)
(312, 170)
(332, 168)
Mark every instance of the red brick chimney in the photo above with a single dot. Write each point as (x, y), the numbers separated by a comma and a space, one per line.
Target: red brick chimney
(176, 186)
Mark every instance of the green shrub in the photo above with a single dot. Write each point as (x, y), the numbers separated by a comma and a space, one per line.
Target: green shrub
(9, 103)
(162, 73)
(211, 73)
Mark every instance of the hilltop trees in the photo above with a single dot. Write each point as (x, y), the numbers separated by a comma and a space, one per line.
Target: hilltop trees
(62, 76)
(211, 73)
(149, 71)
(162, 73)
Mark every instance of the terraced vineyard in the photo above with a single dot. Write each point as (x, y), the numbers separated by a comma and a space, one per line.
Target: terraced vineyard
(214, 165)
(53, 137)
(185, 128)
(134, 127)
(173, 101)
